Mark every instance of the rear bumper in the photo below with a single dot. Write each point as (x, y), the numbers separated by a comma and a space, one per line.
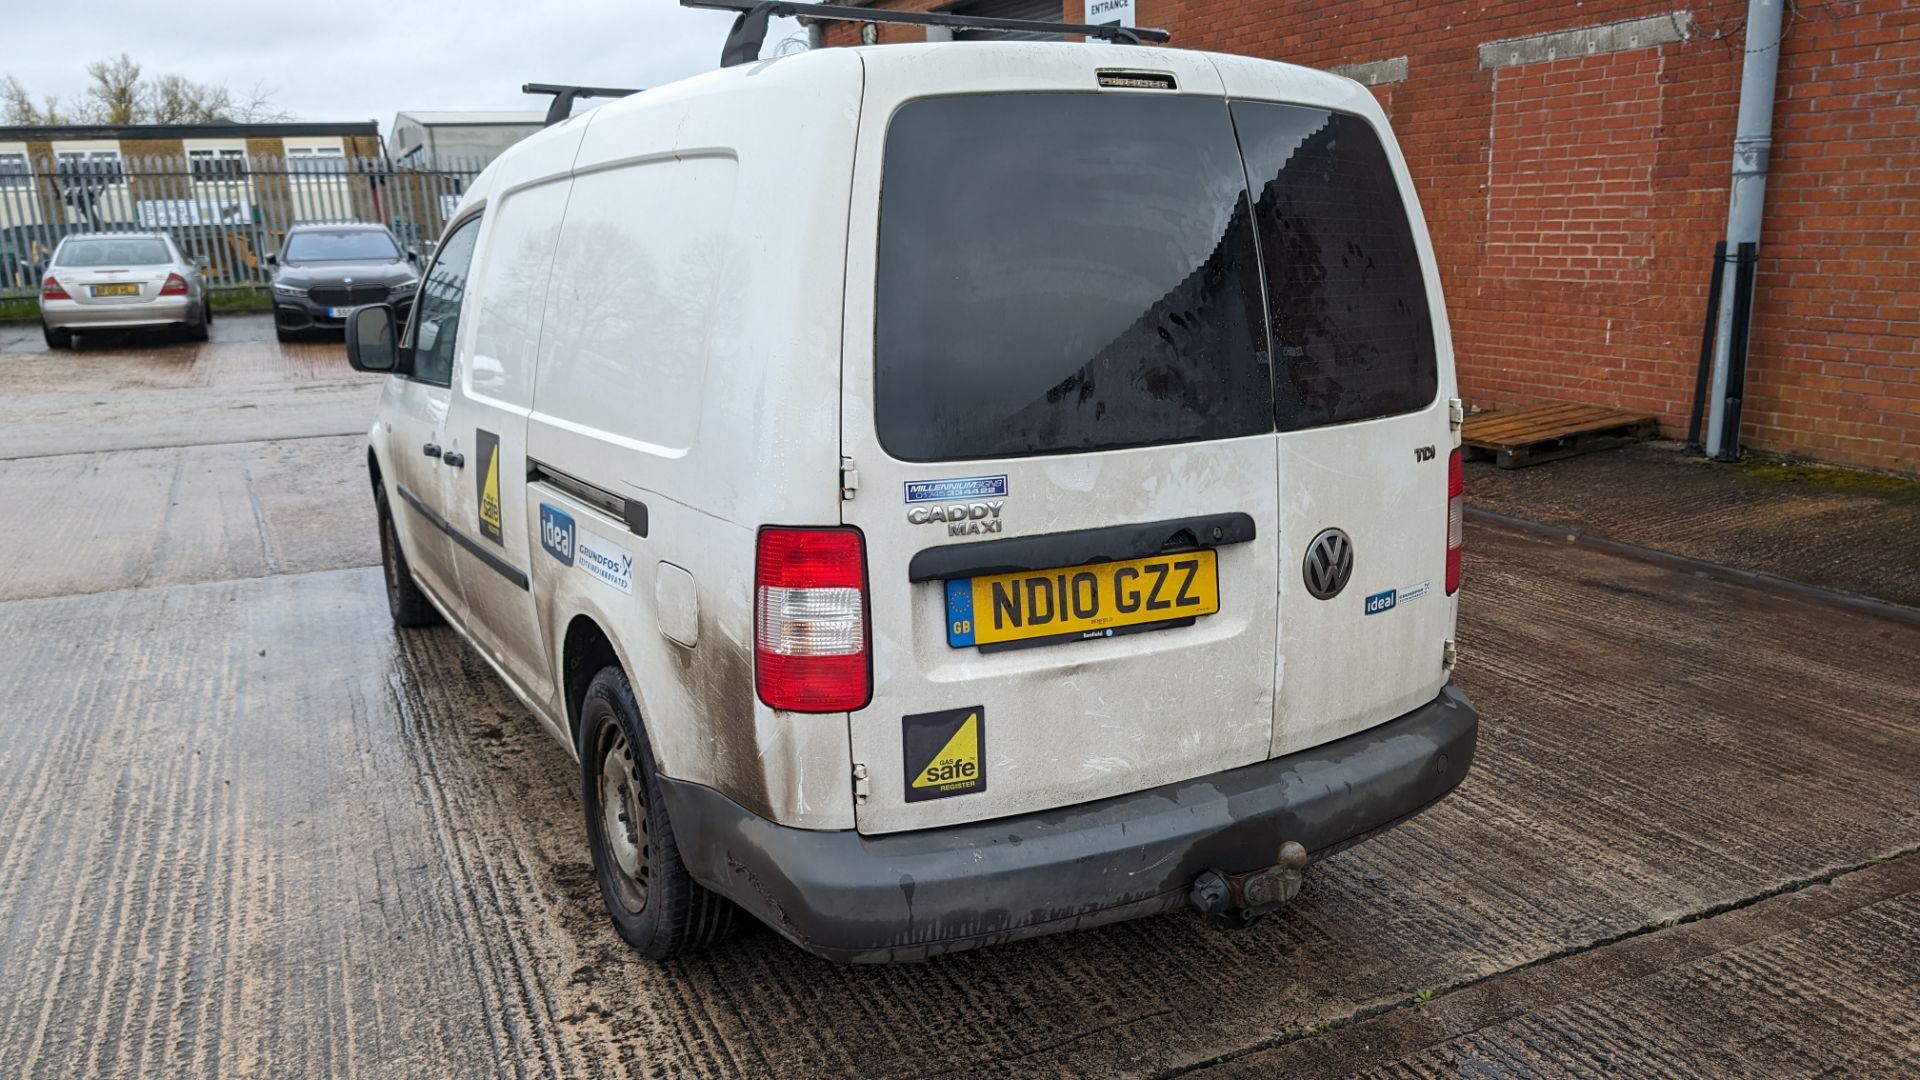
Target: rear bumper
(161, 311)
(909, 896)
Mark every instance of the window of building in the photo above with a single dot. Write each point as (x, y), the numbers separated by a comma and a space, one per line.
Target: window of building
(93, 168)
(218, 164)
(310, 161)
(15, 172)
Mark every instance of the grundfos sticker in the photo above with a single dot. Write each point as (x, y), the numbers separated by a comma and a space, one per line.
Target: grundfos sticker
(945, 753)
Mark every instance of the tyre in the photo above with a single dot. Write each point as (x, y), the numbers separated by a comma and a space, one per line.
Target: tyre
(196, 331)
(405, 602)
(655, 904)
(206, 311)
(281, 333)
(56, 339)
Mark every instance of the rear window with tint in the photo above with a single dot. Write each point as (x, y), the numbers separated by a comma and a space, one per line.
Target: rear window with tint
(1352, 335)
(115, 251)
(1064, 272)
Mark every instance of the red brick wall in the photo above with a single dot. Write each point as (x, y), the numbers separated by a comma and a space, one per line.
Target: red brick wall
(1574, 203)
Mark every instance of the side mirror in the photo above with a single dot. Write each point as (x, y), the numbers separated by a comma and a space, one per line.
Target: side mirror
(413, 254)
(272, 259)
(371, 344)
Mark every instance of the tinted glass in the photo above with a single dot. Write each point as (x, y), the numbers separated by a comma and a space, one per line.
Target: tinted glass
(359, 245)
(436, 313)
(115, 251)
(1352, 335)
(1065, 272)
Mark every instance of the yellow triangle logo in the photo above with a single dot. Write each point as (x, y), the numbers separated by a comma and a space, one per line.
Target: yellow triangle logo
(490, 495)
(958, 762)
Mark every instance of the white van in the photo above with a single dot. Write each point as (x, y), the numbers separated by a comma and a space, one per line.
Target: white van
(946, 493)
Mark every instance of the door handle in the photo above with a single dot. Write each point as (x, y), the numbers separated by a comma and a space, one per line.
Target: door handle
(431, 450)
(456, 460)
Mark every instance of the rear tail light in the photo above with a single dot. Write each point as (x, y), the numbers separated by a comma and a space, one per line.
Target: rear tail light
(810, 620)
(53, 290)
(175, 286)
(1456, 518)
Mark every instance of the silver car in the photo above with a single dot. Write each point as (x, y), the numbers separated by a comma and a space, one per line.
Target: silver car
(116, 281)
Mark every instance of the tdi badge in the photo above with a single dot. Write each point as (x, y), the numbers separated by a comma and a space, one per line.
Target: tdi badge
(945, 753)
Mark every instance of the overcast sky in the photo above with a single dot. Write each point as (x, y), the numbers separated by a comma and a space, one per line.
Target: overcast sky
(341, 60)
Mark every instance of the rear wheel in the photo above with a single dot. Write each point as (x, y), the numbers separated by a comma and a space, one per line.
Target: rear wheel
(56, 339)
(654, 902)
(405, 602)
(197, 331)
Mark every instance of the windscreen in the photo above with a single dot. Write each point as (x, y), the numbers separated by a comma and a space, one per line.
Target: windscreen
(356, 246)
(1351, 330)
(1063, 272)
(115, 251)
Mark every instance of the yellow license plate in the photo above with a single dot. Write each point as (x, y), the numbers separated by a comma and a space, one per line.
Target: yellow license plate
(1078, 602)
(128, 289)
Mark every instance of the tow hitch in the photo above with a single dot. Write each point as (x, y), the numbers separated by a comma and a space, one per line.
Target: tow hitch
(1231, 901)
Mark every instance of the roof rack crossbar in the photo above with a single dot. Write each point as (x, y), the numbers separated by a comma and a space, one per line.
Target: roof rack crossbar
(749, 32)
(564, 97)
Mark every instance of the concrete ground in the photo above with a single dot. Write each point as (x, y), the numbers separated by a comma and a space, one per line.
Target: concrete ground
(1835, 529)
(247, 828)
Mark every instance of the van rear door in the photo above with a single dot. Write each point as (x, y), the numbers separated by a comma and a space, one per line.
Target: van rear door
(1057, 404)
(1362, 374)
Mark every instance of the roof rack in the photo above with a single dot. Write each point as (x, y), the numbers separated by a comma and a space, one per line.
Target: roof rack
(750, 26)
(564, 97)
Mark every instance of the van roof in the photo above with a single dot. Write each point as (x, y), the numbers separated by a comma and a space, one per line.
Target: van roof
(995, 61)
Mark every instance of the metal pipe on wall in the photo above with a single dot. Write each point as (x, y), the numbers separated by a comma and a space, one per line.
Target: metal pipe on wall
(1752, 142)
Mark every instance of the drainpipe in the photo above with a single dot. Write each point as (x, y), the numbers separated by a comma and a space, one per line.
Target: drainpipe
(1751, 143)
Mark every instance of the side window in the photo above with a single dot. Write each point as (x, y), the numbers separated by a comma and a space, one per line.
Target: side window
(436, 314)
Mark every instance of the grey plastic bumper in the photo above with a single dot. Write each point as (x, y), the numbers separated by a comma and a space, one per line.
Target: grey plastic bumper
(908, 896)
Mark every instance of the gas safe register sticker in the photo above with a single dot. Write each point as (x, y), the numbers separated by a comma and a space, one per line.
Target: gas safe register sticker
(945, 753)
(487, 483)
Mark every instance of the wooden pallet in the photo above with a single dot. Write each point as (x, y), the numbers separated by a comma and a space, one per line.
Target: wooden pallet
(1556, 429)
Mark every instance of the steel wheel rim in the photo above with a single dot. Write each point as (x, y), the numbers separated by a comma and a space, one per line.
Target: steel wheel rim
(623, 822)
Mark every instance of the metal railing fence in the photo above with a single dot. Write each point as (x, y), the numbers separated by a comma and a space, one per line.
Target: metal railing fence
(229, 212)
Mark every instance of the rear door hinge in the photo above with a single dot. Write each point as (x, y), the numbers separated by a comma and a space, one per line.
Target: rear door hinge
(861, 789)
(1449, 654)
(1456, 413)
(849, 479)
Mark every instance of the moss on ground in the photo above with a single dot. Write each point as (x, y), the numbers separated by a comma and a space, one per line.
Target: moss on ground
(1784, 470)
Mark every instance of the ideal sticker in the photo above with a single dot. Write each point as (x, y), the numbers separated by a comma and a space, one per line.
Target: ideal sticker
(487, 484)
(944, 753)
(556, 533)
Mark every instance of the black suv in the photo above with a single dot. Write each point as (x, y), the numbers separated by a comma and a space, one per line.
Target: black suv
(325, 271)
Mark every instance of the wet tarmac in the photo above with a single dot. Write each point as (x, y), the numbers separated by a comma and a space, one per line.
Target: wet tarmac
(247, 828)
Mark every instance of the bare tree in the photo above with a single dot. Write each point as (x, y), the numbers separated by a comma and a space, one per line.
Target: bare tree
(19, 108)
(119, 94)
(256, 107)
(176, 99)
(116, 96)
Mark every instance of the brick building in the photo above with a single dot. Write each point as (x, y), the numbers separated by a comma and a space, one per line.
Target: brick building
(1573, 163)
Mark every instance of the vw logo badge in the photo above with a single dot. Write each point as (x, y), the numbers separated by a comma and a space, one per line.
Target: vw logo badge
(1329, 563)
